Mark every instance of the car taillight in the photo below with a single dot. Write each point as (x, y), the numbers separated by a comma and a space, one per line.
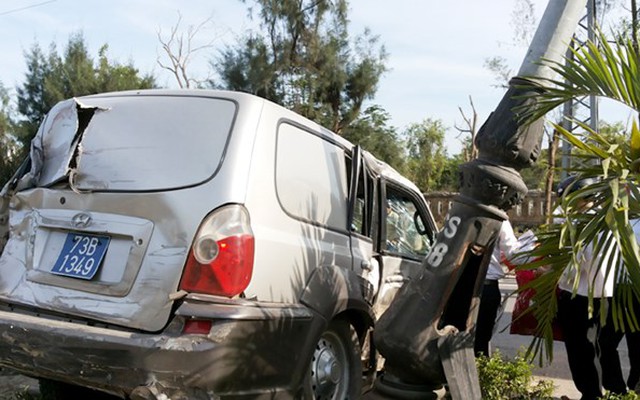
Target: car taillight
(197, 327)
(220, 261)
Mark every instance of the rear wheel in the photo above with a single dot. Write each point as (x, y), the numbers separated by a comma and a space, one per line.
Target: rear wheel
(335, 371)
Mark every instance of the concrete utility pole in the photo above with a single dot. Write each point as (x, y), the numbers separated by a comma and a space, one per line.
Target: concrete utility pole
(427, 334)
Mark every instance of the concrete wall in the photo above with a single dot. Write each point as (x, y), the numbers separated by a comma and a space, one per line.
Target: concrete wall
(526, 215)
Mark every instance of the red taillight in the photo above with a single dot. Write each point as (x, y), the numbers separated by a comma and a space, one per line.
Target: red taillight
(221, 258)
(197, 327)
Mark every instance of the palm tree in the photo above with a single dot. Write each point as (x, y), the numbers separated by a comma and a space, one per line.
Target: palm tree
(610, 71)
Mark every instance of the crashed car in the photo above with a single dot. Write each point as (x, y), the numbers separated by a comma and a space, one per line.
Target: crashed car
(201, 244)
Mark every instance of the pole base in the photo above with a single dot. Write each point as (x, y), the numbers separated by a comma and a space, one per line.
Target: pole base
(387, 387)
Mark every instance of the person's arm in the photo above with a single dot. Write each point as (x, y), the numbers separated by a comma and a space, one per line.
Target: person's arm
(509, 244)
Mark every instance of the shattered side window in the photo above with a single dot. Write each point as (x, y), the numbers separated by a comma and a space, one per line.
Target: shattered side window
(133, 143)
(406, 232)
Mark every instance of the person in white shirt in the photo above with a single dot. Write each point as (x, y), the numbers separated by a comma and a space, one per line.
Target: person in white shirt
(505, 248)
(581, 331)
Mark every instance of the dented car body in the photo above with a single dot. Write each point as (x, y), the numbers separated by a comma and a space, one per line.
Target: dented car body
(200, 244)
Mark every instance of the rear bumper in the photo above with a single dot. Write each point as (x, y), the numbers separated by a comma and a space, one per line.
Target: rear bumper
(252, 351)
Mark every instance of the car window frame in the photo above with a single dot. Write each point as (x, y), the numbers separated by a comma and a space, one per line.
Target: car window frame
(388, 185)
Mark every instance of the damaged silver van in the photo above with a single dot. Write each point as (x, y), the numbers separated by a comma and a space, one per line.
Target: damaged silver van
(200, 245)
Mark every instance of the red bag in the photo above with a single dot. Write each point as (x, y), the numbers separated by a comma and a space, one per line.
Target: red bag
(526, 323)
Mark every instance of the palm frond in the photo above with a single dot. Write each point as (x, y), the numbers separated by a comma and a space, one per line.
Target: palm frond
(603, 230)
(598, 69)
(603, 69)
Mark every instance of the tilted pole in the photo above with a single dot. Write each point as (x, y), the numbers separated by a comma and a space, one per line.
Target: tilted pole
(427, 333)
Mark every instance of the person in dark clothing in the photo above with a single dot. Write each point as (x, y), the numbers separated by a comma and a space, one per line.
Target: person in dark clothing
(612, 376)
(505, 247)
(580, 333)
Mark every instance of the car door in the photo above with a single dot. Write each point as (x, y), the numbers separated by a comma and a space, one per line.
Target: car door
(362, 200)
(406, 233)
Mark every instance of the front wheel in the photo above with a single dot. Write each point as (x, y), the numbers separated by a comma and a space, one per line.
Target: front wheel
(335, 371)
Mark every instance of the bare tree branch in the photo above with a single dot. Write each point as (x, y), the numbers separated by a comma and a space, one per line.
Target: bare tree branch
(180, 50)
(469, 150)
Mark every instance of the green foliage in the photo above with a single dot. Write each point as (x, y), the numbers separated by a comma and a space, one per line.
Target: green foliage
(626, 396)
(8, 144)
(32, 104)
(450, 177)
(502, 379)
(304, 60)
(427, 156)
(613, 161)
(604, 70)
(604, 226)
(372, 132)
(55, 77)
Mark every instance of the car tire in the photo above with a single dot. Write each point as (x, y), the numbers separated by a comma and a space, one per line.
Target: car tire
(54, 390)
(335, 370)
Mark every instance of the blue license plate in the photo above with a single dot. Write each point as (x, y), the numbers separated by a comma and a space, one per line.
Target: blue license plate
(81, 255)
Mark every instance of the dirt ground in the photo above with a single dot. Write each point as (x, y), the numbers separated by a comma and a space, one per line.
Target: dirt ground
(12, 383)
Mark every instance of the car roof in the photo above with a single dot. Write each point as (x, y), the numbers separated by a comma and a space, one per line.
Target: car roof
(379, 166)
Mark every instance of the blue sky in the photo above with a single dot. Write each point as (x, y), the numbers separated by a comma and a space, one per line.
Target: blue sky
(436, 48)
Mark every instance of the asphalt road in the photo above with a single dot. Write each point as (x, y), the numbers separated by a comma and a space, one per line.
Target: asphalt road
(558, 369)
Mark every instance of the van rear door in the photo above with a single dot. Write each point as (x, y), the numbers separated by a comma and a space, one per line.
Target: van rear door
(100, 226)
